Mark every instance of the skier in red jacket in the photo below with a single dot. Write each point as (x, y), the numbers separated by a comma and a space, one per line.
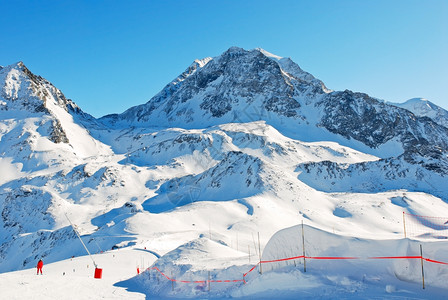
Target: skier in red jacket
(40, 264)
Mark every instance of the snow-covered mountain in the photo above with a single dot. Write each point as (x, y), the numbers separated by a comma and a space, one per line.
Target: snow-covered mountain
(237, 144)
(30, 103)
(50, 166)
(424, 108)
(219, 90)
(244, 86)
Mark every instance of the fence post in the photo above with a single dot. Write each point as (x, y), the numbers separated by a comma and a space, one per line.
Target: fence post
(303, 247)
(237, 249)
(421, 259)
(259, 252)
(172, 281)
(209, 230)
(209, 281)
(404, 225)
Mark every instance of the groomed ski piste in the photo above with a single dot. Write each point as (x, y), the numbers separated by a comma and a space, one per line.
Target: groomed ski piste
(335, 266)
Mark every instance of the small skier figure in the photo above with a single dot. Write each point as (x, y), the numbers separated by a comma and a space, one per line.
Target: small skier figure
(40, 264)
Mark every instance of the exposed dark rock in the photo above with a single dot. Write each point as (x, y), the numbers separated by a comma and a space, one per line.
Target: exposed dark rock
(57, 134)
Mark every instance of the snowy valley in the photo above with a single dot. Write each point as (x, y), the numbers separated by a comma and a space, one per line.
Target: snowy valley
(213, 175)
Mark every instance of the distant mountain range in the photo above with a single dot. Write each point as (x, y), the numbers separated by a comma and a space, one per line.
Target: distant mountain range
(244, 140)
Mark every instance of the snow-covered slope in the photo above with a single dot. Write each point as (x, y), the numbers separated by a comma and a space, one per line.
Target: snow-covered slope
(424, 108)
(72, 278)
(51, 166)
(241, 143)
(197, 261)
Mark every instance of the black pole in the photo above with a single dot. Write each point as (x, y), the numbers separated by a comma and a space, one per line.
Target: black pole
(259, 252)
(421, 259)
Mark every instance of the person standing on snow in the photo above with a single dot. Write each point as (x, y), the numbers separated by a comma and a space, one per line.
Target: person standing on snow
(40, 264)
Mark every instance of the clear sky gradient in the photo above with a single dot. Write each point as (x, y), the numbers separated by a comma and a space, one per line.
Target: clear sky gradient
(110, 55)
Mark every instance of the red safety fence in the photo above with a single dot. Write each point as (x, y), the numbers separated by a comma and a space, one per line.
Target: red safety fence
(294, 258)
(434, 261)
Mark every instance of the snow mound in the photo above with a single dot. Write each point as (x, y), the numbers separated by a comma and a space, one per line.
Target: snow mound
(187, 270)
(365, 262)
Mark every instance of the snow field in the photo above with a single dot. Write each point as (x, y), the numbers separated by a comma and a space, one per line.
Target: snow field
(73, 278)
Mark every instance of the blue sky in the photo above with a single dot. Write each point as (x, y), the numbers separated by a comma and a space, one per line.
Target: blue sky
(110, 55)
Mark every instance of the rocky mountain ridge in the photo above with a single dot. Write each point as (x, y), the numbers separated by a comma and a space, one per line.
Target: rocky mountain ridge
(424, 108)
(245, 86)
(246, 136)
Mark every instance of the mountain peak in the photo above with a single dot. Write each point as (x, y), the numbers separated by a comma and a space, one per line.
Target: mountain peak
(22, 90)
(19, 72)
(235, 49)
(20, 64)
(417, 101)
(424, 108)
(202, 62)
(268, 54)
(215, 90)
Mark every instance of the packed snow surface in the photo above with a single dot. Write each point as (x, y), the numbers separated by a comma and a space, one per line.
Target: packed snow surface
(185, 272)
